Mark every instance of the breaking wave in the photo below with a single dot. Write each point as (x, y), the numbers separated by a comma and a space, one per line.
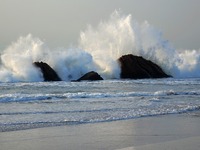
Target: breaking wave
(98, 50)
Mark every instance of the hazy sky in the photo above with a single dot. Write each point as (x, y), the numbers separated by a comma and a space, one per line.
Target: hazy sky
(59, 22)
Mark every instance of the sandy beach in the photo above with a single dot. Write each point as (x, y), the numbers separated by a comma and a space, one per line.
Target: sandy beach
(179, 131)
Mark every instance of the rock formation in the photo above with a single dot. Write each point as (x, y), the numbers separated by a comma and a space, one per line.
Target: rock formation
(135, 67)
(91, 76)
(132, 67)
(48, 73)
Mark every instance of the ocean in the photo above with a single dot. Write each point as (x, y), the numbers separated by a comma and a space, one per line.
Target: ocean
(41, 104)
(26, 101)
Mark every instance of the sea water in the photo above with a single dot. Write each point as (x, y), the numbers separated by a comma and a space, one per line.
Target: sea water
(40, 104)
(28, 102)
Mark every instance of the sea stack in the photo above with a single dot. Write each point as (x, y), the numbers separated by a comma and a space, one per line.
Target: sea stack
(136, 67)
(48, 73)
(91, 76)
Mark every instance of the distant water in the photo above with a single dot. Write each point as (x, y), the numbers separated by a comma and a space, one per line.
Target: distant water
(41, 104)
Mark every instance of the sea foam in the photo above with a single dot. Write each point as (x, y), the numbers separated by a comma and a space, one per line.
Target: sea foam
(98, 50)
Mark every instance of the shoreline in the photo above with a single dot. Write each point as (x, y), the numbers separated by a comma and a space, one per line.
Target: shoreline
(175, 130)
(27, 126)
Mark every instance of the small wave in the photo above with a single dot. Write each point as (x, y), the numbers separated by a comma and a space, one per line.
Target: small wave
(172, 92)
(63, 112)
(11, 126)
(7, 98)
(80, 95)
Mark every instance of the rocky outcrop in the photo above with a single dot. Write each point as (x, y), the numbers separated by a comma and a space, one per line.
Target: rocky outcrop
(135, 67)
(132, 67)
(91, 76)
(48, 73)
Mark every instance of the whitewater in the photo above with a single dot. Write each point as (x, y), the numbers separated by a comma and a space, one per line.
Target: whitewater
(98, 50)
(28, 102)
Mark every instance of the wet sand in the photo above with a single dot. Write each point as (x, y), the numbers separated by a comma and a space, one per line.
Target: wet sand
(179, 131)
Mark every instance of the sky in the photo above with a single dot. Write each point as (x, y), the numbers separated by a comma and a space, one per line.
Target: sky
(59, 22)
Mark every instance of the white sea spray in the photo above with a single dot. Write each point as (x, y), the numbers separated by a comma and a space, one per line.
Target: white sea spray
(98, 50)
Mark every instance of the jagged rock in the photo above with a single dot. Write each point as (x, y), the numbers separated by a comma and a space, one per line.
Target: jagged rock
(91, 76)
(48, 73)
(135, 67)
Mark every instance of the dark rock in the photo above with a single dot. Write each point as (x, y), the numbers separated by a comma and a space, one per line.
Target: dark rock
(48, 73)
(135, 67)
(91, 76)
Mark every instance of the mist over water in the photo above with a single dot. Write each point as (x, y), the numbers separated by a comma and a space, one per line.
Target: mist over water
(98, 50)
